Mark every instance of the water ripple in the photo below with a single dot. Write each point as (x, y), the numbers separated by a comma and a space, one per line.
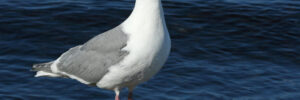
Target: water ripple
(221, 49)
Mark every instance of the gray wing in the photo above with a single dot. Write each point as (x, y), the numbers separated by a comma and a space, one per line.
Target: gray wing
(91, 60)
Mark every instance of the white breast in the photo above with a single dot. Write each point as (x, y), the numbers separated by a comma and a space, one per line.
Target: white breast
(148, 45)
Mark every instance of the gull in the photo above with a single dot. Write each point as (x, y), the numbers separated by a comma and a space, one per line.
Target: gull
(123, 57)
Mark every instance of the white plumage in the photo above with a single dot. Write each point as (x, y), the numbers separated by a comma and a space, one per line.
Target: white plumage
(148, 45)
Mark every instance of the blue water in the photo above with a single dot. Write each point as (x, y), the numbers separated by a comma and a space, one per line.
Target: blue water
(221, 49)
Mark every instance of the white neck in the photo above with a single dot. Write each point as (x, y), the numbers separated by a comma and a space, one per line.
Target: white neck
(147, 14)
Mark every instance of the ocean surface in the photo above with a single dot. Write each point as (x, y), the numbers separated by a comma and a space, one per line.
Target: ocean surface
(221, 49)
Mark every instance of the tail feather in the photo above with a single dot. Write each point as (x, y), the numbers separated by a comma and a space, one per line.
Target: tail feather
(42, 67)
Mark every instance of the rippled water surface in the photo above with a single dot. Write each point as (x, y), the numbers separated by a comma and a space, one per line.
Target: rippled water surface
(221, 49)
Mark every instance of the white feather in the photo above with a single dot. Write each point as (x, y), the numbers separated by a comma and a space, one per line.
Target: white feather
(43, 73)
(148, 45)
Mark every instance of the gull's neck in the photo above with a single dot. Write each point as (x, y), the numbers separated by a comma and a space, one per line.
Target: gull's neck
(147, 14)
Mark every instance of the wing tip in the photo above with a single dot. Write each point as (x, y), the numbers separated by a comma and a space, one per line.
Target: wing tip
(48, 74)
(42, 67)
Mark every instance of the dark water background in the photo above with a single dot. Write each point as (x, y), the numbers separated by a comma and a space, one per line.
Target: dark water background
(222, 49)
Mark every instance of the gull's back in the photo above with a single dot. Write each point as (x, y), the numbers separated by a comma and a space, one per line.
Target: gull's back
(89, 62)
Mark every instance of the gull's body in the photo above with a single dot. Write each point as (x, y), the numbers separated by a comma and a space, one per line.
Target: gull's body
(124, 56)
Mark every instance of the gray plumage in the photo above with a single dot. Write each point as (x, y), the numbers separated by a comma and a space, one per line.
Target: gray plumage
(43, 66)
(91, 60)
